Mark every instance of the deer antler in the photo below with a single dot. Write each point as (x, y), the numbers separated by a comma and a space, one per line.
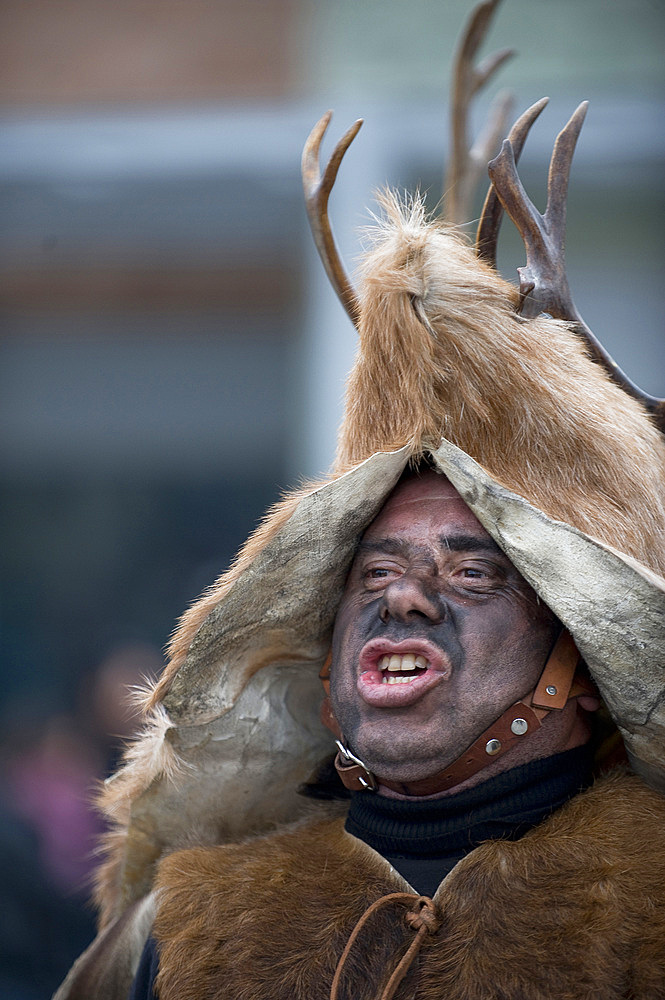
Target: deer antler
(467, 163)
(543, 282)
(317, 191)
(492, 213)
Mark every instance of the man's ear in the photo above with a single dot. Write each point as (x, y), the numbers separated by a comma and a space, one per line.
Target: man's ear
(328, 718)
(589, 702)
(326, 713)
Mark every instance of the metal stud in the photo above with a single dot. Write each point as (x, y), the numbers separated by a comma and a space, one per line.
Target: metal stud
(492, 747)
(519, 726)
(551, 690)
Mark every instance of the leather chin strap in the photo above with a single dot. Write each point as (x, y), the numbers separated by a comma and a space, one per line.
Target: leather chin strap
(558, 683)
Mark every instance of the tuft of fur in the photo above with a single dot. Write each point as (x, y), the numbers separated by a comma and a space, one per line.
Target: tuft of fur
(145, 759)
(443, 353)
(576, 908)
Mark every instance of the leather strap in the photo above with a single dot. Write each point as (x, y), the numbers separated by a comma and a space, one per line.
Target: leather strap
(553, 688)
(558, 683)
(497, 740)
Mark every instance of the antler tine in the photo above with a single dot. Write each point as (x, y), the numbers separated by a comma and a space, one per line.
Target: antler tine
(543, 282)
(465, 164)
(492, 213)
(317, 192)
(559, 174)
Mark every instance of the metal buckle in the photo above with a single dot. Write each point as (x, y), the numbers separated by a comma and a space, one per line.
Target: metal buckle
(349, 759)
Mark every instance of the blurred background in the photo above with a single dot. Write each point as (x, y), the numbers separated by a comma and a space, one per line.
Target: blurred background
(171, 354)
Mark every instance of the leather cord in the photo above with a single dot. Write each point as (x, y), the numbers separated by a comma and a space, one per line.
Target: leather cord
(423, 918)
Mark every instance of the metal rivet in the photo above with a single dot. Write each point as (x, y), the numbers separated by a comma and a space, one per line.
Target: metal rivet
(493, 746)
(551, 690)
(519, 726)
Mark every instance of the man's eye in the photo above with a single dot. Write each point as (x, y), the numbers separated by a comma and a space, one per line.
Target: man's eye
(477, 576)
(379, 572)
(378, 576)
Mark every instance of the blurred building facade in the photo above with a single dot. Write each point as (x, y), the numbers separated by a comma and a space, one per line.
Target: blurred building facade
(171, 353)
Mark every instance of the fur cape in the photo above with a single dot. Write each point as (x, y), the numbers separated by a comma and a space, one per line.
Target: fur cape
(574, 910)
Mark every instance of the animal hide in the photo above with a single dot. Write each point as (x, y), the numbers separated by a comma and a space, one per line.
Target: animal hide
(574, 910)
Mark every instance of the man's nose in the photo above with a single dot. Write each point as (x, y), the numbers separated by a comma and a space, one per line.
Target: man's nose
(412, 597)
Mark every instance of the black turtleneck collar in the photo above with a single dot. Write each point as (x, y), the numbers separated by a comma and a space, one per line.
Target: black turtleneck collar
(424, 839)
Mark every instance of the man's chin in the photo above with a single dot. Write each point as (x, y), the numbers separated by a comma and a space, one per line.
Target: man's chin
(392, 763)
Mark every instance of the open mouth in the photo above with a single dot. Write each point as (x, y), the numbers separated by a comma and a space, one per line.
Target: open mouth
(396, 674)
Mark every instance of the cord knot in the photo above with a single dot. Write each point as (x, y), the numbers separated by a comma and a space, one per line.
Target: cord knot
(424, 915)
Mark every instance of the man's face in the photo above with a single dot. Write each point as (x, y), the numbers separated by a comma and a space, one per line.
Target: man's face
(437, 634)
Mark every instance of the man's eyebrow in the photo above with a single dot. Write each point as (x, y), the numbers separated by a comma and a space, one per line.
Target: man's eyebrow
(452, 543)
(393, 546)
(469, 543)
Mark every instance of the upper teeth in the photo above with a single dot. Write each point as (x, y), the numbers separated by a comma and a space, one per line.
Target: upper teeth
(407, 662)
(399, 664)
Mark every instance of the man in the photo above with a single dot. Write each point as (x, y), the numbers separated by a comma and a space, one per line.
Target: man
(483, 853)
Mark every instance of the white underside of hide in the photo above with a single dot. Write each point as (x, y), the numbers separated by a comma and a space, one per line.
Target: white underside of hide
(239, 772)
(106, 968)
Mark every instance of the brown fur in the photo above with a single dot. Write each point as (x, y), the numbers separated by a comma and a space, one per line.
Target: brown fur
(443, 353)
(575, 909)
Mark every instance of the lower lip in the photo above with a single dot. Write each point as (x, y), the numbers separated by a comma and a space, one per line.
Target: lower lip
(373, 691)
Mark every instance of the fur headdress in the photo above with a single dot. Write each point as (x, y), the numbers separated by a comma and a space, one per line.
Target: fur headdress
(563, 468)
